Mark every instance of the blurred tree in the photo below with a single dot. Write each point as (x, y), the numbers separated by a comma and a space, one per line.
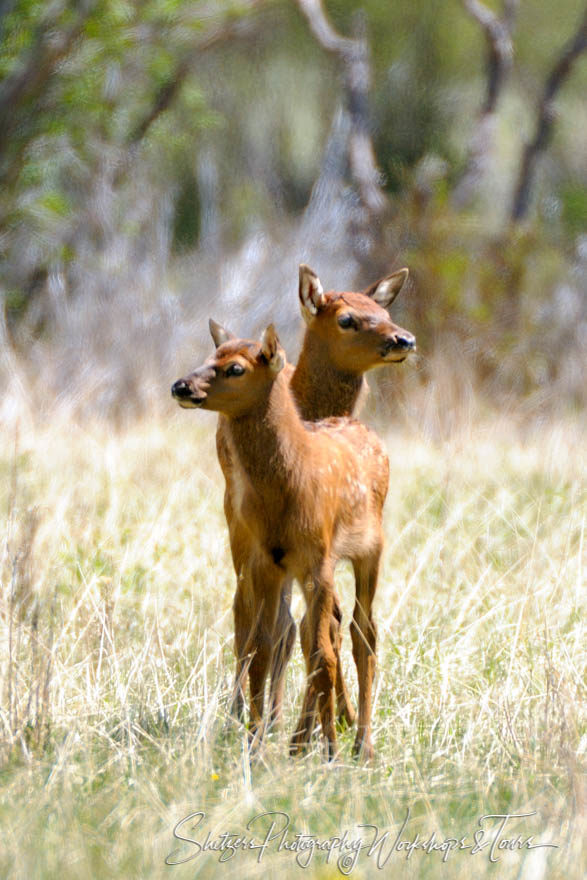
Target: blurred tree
(546, 117)
(498, 33)
(355, 58)
(148, 143)
(85, 85)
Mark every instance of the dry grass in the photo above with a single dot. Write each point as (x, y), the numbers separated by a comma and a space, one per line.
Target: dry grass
(116, 659)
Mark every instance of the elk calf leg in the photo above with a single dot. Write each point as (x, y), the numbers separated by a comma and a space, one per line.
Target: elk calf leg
(307, 719)
(259, 666)
(242, 606)
(364, 639)
(285, 636)
(344, 708)
(243, 630)
(321, 661)
(266, 583)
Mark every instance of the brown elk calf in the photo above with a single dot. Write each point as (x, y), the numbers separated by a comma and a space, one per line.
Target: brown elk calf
(346, 335)
(310, 495)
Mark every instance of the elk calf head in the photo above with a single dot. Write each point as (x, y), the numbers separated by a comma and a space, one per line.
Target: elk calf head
(236, 378)
(356, 328)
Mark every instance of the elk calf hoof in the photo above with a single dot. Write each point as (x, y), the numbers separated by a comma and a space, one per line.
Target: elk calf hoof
(363, 750)
(331, 751)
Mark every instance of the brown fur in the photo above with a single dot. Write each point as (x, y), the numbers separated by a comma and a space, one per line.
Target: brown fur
(327, 381)
(313, 492)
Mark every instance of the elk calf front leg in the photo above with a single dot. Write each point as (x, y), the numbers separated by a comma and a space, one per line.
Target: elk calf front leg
(266, 583)
(244, 626)
(305, 724)
(285, 636)
(242, 605)
(321, 664)
(344, 709)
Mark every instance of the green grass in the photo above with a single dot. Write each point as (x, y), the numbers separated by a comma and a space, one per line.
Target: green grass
(116, 662)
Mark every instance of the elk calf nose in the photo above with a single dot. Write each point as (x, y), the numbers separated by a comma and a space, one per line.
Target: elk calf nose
(403, 341)
(180, 389)
(406, 341)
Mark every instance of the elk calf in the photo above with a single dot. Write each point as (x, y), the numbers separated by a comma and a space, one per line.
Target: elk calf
(309, 495)
(346, 335)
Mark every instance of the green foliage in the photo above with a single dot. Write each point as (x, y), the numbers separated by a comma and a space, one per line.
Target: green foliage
(574, 199)
(101, 133)
(186, 220)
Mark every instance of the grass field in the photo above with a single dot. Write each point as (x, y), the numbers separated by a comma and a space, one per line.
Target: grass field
(116, 664)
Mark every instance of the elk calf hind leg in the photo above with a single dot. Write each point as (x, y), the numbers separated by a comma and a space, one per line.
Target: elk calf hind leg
(344, 708)
(243, 631)
(364, 639)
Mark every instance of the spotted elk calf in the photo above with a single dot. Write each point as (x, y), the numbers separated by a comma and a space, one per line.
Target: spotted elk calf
(346, 335)
(310, 494)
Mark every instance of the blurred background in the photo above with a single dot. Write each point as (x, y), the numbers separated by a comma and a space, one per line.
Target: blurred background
(163, 161)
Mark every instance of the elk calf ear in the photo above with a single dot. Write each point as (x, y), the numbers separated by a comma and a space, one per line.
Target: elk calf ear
(385, 291)
(219, 333)
(271, 349)
(311, 293)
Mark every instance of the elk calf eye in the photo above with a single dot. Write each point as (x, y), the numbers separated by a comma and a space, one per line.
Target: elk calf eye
(346, 322)
(234, 370)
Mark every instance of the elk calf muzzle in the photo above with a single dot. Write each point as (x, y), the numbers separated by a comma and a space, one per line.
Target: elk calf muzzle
(404, 342)
(185, 395)
(180, 389)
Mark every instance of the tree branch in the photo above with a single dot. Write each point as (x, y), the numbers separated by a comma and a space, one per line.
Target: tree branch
(168, 92)
(322, 29)
(49, 48)
(354, 56)
(498, 33)
(224, 32)
(500, 52)
(545, 119)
